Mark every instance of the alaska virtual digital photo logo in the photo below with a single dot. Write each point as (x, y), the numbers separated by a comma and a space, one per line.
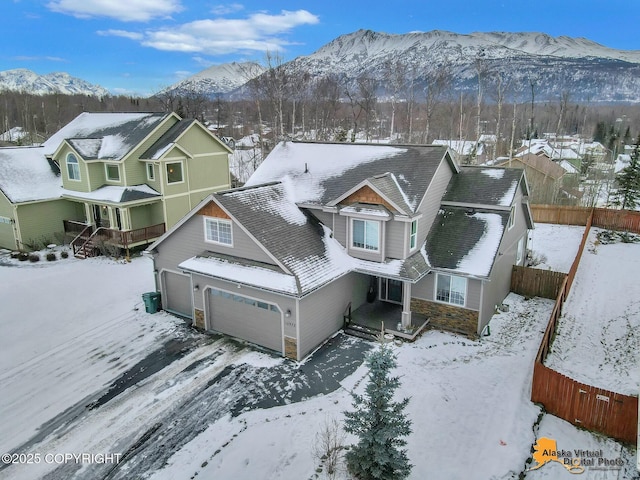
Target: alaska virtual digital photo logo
(575, 461)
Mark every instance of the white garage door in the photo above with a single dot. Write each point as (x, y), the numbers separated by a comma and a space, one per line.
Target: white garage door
(252, 320)
(176, 296)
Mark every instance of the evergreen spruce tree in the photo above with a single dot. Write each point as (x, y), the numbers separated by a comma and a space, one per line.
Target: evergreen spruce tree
(628, 194)
(379, 423)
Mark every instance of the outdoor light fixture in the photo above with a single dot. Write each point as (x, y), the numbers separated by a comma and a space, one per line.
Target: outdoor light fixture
(287, 313)
(196, 288)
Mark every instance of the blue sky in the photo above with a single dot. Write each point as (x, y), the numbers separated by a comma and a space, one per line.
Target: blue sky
(136, 47)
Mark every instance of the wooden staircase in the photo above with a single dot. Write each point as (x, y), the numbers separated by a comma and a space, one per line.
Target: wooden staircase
(362, 331)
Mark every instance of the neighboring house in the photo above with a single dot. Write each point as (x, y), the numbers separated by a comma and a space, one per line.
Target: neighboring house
(544, 176)
(123, 178)
(468, 151)
(321, 229)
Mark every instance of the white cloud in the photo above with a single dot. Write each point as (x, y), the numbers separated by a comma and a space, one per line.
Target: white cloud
(126, 11)
(121, 33)
(258, 32)
(227, 9)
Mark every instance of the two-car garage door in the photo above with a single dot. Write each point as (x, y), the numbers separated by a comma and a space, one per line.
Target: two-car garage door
(246, 318)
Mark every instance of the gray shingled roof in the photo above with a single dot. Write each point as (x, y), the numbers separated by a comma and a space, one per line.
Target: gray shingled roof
(484, 186)
(457, 231)
(323, 172)
(295, 238)
(167, 139)
(105, 136)
(389, 186)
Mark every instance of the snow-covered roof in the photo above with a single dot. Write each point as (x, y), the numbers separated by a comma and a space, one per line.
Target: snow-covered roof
(488, 186)
(13, 134)
(461, 147)
(105, 136)
(568, 166)
(464, 241)
(114, 194)
(26, 175)
(168, 140)
(322, 172)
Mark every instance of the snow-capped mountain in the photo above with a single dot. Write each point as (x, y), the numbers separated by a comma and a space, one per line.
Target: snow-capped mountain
(219, 79)
(24, 80)
(585, 69)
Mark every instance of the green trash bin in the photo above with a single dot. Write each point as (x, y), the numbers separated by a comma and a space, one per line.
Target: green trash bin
(151, 302)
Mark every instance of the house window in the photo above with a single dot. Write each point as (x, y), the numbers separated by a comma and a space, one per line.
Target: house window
(217, 230)
(451, 289)
(113, 172)
(151, 173)
(414, 235)
(174, 172)
(512, 217)
(520, 251)
(365, 234)
(73, 168)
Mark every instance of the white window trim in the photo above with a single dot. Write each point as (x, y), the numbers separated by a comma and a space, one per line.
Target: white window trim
(106, 172)
(77, 165)
(362, 249)
(151, 168)
(512, 217)
(218, 221)
(435, 290)
(413, 236)
(181, 169)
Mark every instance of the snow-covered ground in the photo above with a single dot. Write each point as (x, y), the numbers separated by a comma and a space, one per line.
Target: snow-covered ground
(598, 338)
(555, 246)
(218, 409)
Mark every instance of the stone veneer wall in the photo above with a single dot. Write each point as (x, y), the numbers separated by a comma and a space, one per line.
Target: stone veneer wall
(290, 348)
(447, 317)
(199, 319)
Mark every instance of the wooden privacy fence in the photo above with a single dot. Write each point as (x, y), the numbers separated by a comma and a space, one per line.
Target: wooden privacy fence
(593, 408)
(534, 282)
(621, 220)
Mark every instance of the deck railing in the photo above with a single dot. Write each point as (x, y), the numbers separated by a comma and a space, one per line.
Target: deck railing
(86, 236)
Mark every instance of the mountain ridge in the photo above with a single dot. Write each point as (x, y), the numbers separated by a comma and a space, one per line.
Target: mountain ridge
(25, 80)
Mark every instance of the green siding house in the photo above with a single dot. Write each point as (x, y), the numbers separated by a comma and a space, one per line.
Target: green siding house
(116, 178)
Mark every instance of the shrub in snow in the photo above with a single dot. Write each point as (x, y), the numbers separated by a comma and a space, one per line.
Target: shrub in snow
(379, 423)
(64, 254)
(23, 256)
(51, 256)
(328, 446)
(34, 257)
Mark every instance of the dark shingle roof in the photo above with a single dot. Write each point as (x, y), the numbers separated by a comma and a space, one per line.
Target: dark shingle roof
(295, 238)
(456, 232)
(105, 136)
(169, 137)
(484, 186)
(323, 172)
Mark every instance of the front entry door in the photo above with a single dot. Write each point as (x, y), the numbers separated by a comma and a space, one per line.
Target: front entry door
(391, 290)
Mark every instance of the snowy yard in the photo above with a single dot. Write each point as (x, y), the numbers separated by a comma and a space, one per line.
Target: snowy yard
(598, 338)
(555, 246)
(76, 335)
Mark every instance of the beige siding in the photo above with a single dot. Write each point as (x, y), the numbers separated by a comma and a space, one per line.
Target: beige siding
(321, 313)
(499, 285)
(189, 240)
(395, 239)
(425, 290)
(209, 171)
(431, 201)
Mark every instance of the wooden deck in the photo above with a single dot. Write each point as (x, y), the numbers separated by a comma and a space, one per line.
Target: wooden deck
(374, 315)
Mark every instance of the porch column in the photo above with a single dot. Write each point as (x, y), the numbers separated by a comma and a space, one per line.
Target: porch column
(88, 214)
(124, 218)
(406, 304)
(112, 217)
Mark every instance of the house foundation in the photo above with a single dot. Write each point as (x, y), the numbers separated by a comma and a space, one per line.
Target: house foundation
(447, 317)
